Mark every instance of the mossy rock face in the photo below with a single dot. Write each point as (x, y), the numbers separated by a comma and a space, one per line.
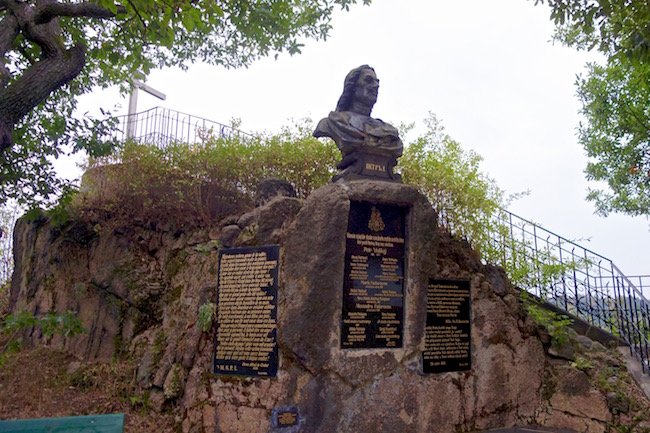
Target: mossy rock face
(618, 402)
(174, 382)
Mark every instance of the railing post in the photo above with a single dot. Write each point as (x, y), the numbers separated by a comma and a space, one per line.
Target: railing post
(564, 294)
(575, 284)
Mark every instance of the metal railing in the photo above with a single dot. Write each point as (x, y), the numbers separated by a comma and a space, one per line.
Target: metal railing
(573, 278)
(642, 282)
(161, 127)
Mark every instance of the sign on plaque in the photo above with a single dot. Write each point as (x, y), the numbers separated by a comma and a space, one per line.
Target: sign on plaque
(246, 340)
(285, 417)
(448, 328)
(373, 286)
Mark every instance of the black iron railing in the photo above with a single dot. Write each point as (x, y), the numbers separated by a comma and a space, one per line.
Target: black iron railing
(161, 127)
(569, 276)
(642, 282)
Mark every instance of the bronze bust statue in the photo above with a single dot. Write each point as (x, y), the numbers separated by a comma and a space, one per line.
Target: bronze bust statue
(369, 147)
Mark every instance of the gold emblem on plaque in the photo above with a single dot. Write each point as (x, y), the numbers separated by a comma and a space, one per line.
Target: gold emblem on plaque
(376, 224)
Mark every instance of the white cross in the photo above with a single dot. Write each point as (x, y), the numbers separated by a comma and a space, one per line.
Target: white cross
(133, 102)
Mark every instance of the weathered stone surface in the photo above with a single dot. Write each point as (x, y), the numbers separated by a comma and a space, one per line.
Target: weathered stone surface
(246, 219)
(598, 347)
(272, 217)
(585, 342)
(561, 420)
(237, 419)
(576, 401)
(268, 189)
(229, 235)
(562, 349)
(618, 403)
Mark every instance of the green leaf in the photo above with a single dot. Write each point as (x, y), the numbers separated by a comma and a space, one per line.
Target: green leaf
(114, 57)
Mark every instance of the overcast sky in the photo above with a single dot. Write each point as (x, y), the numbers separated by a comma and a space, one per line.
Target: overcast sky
(488, 70)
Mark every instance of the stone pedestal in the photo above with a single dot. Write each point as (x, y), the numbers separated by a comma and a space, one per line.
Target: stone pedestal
(310, 305)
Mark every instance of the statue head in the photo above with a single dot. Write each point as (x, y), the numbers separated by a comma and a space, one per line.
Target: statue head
(359, 91)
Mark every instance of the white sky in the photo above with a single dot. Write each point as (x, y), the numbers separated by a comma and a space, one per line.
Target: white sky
(487, 69)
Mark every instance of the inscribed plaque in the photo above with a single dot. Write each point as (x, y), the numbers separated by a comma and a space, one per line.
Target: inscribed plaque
(246, 340)
(373, 286)
(448, 328)
(285, 417)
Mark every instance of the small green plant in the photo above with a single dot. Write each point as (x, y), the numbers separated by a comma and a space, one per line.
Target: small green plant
(556, 324)
(62, 212)
(86, 378)
(136, 400)
(582, 364)
(205, 248)
(141, 401)
(53, 323)
(206, 312)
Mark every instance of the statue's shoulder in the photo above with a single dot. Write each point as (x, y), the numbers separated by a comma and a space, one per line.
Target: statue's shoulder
(340, 116)
(336, 119)
(323, 128)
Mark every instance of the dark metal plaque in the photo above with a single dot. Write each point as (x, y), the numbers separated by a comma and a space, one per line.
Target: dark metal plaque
(448, 332)
(246, 340)
(373, 286)
(285, 417)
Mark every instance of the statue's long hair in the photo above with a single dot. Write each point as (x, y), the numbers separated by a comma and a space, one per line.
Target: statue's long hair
(345, 101)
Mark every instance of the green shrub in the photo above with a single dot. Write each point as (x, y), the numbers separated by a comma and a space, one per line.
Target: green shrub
(465, 198)
(556, 324)
(200, 183)
(53, 323)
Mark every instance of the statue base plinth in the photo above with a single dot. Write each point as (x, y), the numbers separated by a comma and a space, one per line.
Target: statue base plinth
(362, 164)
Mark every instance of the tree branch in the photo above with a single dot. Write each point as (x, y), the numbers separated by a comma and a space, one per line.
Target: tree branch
(34, 86)
(46, 36)
(48, 12)
(144, 24)
(8, 32)
(627, 109)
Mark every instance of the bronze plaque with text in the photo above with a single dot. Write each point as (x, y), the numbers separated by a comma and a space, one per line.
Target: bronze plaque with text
(448, 330)
(246, 340)
(373, 286)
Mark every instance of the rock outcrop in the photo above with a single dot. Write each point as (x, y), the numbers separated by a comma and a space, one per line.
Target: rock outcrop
(138, 290)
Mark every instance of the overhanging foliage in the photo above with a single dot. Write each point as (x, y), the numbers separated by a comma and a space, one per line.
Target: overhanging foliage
(54, 51)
